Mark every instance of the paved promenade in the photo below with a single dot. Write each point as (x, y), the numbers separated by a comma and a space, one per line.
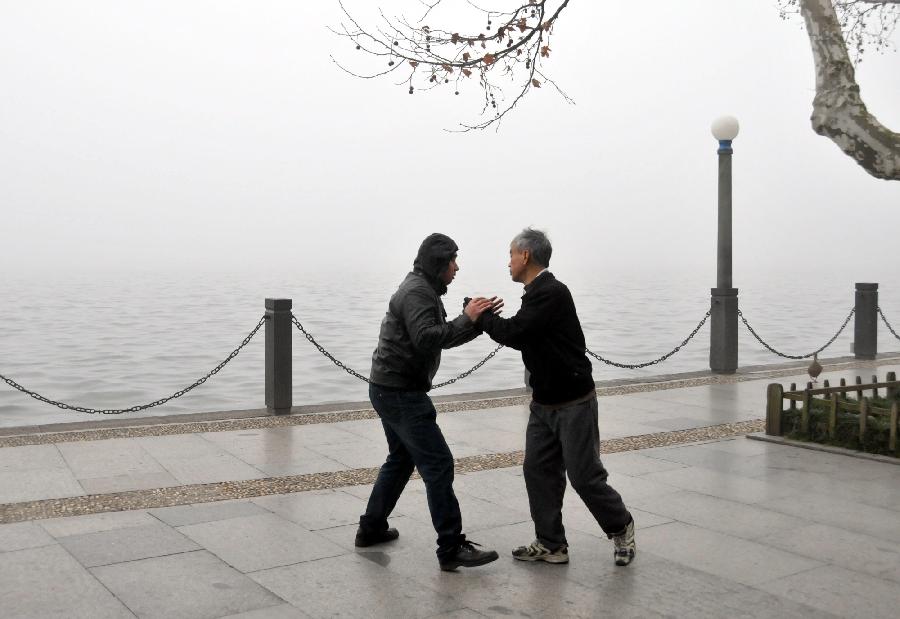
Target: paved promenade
(255, 517)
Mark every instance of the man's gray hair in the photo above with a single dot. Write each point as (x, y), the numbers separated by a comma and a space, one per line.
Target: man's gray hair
(537, 244)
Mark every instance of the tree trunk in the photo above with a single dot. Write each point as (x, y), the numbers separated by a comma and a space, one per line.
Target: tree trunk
(838, 110)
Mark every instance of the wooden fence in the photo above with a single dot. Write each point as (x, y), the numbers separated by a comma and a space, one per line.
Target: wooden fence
(834, 401)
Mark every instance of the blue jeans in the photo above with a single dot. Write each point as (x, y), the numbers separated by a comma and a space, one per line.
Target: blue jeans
(414, 441)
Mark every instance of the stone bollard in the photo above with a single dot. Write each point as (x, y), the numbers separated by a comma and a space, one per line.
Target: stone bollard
(279, 387)
(865, 330)
(723, 331)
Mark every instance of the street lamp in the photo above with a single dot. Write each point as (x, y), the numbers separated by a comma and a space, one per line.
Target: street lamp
(723, 354)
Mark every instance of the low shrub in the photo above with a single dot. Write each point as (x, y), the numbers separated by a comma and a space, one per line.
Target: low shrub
(846, 432)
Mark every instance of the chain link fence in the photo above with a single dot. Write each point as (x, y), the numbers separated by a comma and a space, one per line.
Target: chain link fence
(141, 407)
(356, 374)
(887, 324)
(806, 356)
(635, 366)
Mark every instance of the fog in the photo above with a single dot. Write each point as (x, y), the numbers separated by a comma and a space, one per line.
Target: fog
(212, 135)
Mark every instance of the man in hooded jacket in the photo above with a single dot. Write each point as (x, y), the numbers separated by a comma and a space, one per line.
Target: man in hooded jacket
(413, 333)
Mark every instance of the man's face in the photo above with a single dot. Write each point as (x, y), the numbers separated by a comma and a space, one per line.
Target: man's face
(518, 259)
(448, 275)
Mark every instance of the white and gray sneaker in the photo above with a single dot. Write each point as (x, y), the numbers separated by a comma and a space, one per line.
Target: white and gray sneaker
(536, 551)
(625, 546)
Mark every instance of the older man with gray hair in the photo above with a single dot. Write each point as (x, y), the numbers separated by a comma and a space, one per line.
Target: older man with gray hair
(562, 435)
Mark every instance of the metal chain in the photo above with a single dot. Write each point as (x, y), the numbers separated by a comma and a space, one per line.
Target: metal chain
(887, 324)
(467, 372)
(781, 354)
(356, 374)
(634, 366)
(134, 409)
(322, 350)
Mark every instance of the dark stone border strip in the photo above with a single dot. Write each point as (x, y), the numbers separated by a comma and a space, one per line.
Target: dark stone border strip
(229, 490)
(832, 449)
(169, 427)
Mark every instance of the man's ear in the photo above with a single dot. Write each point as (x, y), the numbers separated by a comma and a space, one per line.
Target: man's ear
(526, 257)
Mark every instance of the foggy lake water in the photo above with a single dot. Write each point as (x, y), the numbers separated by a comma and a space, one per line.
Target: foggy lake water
(115, 341)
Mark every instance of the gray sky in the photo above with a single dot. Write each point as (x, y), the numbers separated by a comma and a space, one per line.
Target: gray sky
(214, 134)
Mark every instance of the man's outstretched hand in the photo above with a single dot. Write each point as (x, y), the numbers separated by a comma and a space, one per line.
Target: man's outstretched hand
(477, 306)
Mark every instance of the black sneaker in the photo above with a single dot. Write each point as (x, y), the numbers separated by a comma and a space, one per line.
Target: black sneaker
(468, 556)
(364, 539)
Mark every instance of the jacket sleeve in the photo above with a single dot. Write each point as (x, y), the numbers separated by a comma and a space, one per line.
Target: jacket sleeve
(467, 334)
(533, 316)
(427, 331)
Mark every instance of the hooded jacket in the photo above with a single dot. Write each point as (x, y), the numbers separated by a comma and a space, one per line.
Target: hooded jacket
(415, 328)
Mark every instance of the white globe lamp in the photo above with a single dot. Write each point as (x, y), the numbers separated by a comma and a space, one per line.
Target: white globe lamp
(725, 128)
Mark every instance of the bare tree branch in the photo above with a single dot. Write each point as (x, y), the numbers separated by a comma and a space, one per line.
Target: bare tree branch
(508, 57)
(865, 24)
(505, 58)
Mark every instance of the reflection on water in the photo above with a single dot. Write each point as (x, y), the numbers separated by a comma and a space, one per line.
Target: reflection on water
(116, 342)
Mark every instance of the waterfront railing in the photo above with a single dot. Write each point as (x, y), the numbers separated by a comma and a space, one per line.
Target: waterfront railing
(280, 322)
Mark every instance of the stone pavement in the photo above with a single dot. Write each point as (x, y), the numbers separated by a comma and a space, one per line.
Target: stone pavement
(728, 527)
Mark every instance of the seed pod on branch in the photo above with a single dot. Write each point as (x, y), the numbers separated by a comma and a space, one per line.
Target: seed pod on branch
(508, 68)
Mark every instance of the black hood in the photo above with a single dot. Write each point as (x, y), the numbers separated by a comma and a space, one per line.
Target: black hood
(435, 253)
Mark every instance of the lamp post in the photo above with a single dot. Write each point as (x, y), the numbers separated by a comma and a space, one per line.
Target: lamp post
(723, 353)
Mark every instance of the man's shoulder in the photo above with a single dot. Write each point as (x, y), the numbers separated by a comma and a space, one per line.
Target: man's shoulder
(415, 286)
(548, 283)
(548, 289)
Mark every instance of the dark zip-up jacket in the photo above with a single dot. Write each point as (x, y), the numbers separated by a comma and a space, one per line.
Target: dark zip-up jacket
(413, 333)
(547, 331)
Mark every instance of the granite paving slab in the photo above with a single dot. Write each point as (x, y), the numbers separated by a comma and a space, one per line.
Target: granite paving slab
(726, 527)
(194, 460)
(503, 486)
(893, 574)
(182, 515)
(315, 510)
(755, 604)
(30, 458)
(668, 588)
(126, 544)
(22, 535)
(579, 518)
(131, 481)
(360, 454)
(93, 523)
(838, 512)
(105, 458)
(717, 514)
(719, 484)
(191, 585)
(36, 484)
(715, 553)
(315, 463)
(635, 464)
(880, 492)
(846, 593)
(282, 611)
(253, 543)
(353, 586)
(721, 461)
(853, 551)
(48, 582)
(463, 613)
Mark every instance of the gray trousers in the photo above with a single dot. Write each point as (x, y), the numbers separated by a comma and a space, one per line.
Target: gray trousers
(562, 440)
